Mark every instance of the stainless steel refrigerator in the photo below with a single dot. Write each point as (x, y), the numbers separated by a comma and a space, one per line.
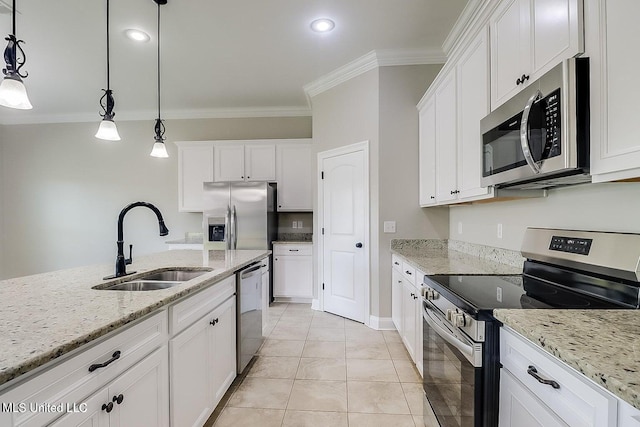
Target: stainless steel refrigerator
(241, 215)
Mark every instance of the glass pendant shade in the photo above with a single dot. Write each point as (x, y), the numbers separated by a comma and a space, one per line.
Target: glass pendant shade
(108, 131)
(13, 94)
(159, 150)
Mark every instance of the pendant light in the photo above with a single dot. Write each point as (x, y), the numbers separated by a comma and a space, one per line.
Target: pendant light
(13, 94)
(159, 149)
(108, 130)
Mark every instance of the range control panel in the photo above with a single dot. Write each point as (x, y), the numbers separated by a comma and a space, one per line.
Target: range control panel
(571, 245)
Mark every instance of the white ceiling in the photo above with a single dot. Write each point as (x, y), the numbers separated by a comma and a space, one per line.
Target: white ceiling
(216, 55)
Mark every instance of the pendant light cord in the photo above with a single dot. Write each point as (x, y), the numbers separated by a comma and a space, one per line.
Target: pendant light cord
(158, 60)
(108, 65)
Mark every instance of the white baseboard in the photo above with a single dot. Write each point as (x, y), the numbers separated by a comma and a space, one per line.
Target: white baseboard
(381, 323)
(294, 300)
(315, 304)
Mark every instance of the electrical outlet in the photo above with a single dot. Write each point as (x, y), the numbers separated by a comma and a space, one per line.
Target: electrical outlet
(499, 231)
(389, 226)
(460, 227)
(295, 224)
(299, 224)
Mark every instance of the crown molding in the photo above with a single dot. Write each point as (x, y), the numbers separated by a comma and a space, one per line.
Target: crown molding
(222, 113)
(370, 61)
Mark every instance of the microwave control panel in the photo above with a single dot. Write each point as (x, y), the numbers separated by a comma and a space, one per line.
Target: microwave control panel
(552, 124)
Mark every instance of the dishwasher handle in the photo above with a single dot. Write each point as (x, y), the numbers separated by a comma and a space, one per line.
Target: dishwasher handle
(250, 271)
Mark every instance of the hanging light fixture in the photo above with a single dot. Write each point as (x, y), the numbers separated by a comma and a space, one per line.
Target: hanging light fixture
(13, 94)
(159, 149)
(108, 129)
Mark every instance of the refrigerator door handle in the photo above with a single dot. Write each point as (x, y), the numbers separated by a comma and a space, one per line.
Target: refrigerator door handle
(234, 228)
(227, 228)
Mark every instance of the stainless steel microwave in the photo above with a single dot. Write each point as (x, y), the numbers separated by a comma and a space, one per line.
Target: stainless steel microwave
(540, 137)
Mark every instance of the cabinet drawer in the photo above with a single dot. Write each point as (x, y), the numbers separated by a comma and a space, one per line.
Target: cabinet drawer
(71, 382)
(301, 249)
(194, 307)
(396, 262)
(409, 272)
(578, 401)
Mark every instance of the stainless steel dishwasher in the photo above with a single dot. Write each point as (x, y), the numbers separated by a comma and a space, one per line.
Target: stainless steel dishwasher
(249, 314)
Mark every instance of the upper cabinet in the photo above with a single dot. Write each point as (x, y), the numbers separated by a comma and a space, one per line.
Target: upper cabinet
(284, 161)
(236, 161)
(528, 38)
(450, 141)
(612, 30)
(293, 174)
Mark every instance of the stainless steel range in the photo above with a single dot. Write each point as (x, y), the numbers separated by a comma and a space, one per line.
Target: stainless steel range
(564, 269)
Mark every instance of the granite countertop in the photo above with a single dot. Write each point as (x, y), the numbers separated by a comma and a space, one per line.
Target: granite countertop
(603, 345)
(47, 315)
(453, 257)
(292, 242)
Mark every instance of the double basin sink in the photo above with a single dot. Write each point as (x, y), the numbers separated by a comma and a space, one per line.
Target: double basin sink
(156, 280)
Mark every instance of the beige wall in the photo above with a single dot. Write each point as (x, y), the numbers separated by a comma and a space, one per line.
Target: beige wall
(379, 106)
(606, 207)
(63, 189)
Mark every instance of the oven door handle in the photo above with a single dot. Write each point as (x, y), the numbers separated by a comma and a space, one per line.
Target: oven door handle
(524, 133)
(471, 351)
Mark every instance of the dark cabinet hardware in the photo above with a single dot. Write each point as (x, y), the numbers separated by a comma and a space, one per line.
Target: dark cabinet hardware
(408, 272)
(294, 250)
(263, 265)
(415, 297)
(534, 373)
(522, 79)
(118, 399)
(358, 245)
(396, 263)
(412, 294)
(433, 197)
(213, 322)
(115, 356)
(455, 191)
(242, 177)
(248, 177)
(107, 407)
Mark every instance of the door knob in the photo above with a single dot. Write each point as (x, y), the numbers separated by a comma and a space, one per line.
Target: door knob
(358, 245)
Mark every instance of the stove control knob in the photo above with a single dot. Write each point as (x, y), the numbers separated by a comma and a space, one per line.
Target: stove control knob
(450, 314)
(432, 295)
(460, 320)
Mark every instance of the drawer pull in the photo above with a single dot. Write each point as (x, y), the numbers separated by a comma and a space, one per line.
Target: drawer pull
(396, 263)
(294, 250)
(408, 272)
(534, 373)
(114, 357)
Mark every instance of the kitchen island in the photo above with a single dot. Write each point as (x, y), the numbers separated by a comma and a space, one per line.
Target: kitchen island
(46, 316)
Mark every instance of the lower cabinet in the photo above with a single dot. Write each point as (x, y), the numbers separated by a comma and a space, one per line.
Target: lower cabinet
(203, 365)
(138, 397)
(265, 294)
(293, 271)
(406, 307)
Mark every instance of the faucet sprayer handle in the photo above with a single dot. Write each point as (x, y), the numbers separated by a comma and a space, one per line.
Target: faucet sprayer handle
(130, 259)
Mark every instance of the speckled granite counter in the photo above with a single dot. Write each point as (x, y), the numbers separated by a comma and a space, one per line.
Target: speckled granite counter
(47, 315)
(454, 257)
(604, 345)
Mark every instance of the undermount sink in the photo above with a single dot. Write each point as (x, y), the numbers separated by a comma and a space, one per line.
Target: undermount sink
(155, 280)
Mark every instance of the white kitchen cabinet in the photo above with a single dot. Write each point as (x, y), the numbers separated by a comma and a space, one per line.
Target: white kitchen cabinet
(293, 174)
(203, 365)
(528, 38)
(427, 154)
(293, 272)
(244, 161)
(615, 147)
(519, 407)
(406, 306)
(446, 139)
(195, 166)
(264, 265)
(577, 401)
(138, 397)
(472, 106)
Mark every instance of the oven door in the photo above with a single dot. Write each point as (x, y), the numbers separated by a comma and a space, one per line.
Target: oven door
(452, 372)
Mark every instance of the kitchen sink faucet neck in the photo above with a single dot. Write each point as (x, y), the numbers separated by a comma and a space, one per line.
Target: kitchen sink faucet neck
(121, 262)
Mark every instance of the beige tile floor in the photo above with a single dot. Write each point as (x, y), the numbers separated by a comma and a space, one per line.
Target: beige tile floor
(318, 369)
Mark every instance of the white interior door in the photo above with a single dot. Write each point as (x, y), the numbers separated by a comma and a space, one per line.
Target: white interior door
(344, 242)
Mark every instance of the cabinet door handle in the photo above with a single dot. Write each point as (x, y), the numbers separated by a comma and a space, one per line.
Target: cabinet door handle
(107, 407)
(214, 321)
(534, 373)
(408, 272)
(358, 245)
(114, 357)
(118, 399)
(433, 197)
(396, 263)
(412, 294)
(522, 79)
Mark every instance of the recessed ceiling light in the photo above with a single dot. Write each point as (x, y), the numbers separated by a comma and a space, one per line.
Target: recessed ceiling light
(322, 25)
(137, 35)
